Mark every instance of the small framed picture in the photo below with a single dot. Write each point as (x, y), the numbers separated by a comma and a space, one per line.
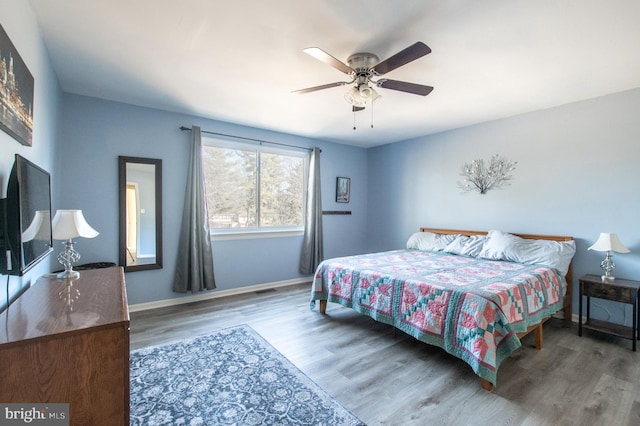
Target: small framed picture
(343, 188)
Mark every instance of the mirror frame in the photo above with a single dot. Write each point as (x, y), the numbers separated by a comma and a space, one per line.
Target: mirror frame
(122, 214)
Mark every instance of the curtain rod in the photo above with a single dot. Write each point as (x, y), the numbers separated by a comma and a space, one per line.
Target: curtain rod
(184, 128)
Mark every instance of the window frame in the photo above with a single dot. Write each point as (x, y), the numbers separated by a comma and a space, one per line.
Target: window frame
(261, 231)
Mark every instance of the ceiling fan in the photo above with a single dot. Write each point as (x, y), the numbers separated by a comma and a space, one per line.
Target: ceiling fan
(362, 68)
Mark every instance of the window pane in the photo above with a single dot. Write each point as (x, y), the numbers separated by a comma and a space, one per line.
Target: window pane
(281, 190)
(230, 182)
(252, 187)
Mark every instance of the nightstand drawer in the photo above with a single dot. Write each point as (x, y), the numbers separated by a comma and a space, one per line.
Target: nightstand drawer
(606, 291)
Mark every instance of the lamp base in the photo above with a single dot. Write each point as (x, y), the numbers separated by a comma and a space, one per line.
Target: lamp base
(67, 258)
(68, 275)
(608, 266)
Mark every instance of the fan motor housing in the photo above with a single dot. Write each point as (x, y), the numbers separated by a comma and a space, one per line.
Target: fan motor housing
(362, 62)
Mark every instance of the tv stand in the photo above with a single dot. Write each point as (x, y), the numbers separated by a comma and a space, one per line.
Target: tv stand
(67, 341)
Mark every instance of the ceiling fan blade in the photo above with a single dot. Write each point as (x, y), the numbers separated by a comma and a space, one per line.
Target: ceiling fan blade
(401, 58)
(323, 56)
(403, 86)
(324, 86)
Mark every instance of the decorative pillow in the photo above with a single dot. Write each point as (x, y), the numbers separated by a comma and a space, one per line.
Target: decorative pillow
(555, 254)
(429, 241)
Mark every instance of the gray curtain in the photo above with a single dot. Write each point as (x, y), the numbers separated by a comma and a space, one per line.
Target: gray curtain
(194, 268)
(312, 250)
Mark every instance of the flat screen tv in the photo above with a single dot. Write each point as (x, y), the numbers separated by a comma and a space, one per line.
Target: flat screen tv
(27, 213)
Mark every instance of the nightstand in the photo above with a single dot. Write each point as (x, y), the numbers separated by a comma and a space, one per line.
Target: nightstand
(618, 290)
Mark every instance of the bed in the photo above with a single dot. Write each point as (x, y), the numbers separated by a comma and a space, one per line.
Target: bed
(473, 293)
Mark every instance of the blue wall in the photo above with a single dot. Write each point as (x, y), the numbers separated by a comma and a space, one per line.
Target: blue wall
(20, 24)
(95, 132)
(578, 174)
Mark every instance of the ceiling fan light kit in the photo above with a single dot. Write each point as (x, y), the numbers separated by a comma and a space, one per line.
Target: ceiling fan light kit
(361, 96)
(362, 68)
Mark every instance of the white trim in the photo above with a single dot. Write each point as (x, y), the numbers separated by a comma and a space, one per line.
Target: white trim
(248, 235)
(217, 294)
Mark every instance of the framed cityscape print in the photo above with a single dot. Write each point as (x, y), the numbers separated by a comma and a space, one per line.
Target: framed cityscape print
(343, 189)
(16, 93)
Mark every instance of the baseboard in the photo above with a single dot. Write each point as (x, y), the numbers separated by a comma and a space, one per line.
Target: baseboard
(215, 294)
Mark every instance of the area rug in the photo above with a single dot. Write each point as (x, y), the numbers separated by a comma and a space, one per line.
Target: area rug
(230, 377)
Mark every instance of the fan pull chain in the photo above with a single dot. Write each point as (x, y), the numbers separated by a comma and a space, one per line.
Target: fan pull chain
(354, 120)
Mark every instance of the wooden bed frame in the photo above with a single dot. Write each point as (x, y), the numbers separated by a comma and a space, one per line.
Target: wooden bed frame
(537, 329)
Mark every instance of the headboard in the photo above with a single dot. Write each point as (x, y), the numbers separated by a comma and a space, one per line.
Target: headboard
(569, 278)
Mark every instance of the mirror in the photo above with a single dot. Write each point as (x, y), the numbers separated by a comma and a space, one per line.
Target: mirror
(140, 202)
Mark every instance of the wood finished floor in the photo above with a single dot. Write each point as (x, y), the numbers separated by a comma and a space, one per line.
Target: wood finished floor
(396, 380)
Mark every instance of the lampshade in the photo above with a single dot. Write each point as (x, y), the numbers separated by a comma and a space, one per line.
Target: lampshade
(68, 224)
(370, 94)
(609, 242)
(353, 97)
(365, 91)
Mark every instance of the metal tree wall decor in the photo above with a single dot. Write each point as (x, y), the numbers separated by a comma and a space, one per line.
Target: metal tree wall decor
(480, 177)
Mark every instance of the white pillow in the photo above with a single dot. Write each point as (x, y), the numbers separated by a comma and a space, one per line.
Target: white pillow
(475, 245)
(429, 241)
(457, 245)
(467, 246)
(503, 246)
(496, 244)
(557, 254)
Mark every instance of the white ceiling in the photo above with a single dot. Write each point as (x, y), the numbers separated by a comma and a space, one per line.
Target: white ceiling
(238, 61)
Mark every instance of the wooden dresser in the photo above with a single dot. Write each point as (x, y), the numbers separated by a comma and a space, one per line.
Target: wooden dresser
(68, 342)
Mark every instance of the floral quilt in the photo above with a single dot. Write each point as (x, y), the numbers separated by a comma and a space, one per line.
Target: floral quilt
(470, 307)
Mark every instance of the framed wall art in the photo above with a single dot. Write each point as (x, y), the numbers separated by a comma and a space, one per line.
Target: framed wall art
(16, 93)
(343, 189)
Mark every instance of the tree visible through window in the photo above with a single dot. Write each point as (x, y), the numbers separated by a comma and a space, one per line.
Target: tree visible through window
(253, 186)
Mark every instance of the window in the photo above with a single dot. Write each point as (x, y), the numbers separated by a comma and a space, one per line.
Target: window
(253, 188)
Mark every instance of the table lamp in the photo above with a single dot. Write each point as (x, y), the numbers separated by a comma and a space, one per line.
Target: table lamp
(608, 242)
(67, 225)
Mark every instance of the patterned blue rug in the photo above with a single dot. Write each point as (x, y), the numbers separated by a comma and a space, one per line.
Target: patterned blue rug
(230, 377)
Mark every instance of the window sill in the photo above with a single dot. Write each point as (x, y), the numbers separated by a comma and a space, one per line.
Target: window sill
(251, 235)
